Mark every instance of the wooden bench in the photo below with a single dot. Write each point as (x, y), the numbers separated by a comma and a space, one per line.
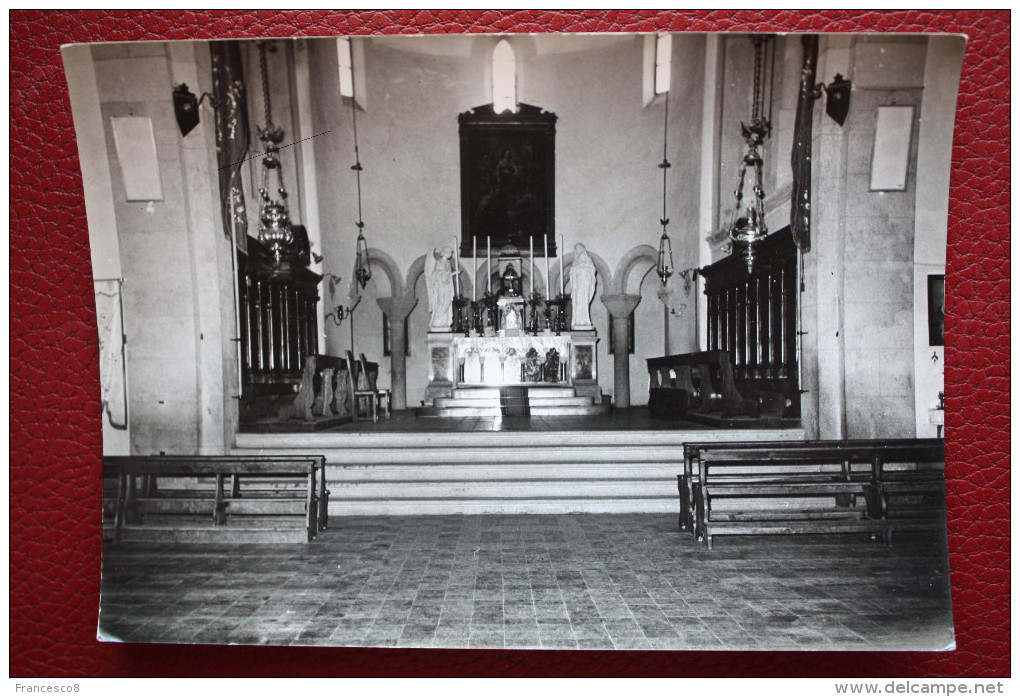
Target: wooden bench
(216, 490)
(900, 481)
(689, 384)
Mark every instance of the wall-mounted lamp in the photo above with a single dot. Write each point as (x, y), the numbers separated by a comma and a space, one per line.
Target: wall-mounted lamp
(186, 107)
(837, 105)
(339, 313)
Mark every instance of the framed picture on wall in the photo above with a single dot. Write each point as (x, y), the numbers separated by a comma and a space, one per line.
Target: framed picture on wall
(936, 310)
(890, 158)
(507, 167)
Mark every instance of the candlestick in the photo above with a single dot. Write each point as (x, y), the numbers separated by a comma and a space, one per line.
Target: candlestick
(488, 261)
(545, 247)
(561, 264)
(474, 266)
(531, 249)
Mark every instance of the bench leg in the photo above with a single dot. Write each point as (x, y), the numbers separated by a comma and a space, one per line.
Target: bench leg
(119, 511)
(311, 506)
(323, 500)
(220, 506)
(682, 520)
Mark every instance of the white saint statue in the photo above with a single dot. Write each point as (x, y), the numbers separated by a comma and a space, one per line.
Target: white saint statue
(582, 283)
(439, 281)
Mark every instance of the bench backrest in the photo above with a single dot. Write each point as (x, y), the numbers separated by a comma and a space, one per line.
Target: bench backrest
(927, 449)
(198, 465)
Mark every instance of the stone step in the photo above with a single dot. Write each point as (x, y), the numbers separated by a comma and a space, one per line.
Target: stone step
(567, 410)
(512, 472)
(414, 443)
(488, 402)
(494, 447)
(606, 469)
(493, 392)
(587, 409)
(345, 493)
(562, 504)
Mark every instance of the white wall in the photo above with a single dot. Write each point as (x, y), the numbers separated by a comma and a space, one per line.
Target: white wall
(608, 146)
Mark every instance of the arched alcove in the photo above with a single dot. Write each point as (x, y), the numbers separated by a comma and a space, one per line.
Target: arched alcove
(631, 260)
(380, 260)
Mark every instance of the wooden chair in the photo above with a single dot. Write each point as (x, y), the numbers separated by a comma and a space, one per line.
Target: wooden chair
(360, 389)
(382, 396)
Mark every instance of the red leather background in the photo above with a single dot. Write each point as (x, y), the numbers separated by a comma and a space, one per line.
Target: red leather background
(55, 416)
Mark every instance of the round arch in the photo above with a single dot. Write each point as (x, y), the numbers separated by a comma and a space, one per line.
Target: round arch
(630, 260)
(417, 268)
(381, 260)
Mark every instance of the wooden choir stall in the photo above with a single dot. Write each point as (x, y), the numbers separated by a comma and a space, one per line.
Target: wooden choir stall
(285, 383)
(749, 374)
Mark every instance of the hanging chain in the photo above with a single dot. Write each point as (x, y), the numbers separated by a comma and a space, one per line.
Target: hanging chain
(750, 228)
(275, 227)
(362, 272)
(664, 165)
(265, 85)
(357, 156)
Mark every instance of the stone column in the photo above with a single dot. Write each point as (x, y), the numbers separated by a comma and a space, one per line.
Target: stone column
(620, 308)
(397, 308)
(665, 296)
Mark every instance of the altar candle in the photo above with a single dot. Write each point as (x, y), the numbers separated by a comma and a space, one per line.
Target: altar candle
(488, 261)
(456, 269)
(474, 266)
(531, 249)
(561, 264)
(545, 247)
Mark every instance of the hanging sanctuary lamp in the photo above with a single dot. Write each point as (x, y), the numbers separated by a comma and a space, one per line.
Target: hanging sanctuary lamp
(362, 272)
(749, 229)
(275, 229)
(664, 264)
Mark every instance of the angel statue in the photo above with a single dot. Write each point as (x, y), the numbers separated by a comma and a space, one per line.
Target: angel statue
(439, 281)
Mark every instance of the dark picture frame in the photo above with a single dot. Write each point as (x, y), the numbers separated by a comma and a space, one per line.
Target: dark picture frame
(508, 178)
(936, 310)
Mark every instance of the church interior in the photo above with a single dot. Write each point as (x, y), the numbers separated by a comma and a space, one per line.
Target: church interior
(513, 297)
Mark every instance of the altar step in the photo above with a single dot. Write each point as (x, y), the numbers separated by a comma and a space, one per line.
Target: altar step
(515, 400)
(499, 472)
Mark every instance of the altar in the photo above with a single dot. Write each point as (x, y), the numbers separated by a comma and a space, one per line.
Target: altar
(508, 340)
(564, 360)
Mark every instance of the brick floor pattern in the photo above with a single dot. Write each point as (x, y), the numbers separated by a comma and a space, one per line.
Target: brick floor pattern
(600, 582)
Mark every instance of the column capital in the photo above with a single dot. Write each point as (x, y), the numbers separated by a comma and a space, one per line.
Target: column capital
(620, 305)
(397, 307)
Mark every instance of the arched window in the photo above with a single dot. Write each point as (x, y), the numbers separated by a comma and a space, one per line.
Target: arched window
(343, 54)
(663, 54)
(504, 78)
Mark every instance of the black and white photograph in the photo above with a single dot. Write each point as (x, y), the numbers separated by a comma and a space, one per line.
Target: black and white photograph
(522, 341)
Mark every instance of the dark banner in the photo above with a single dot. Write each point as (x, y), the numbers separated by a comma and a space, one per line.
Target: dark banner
(232, 134)
(800, 206)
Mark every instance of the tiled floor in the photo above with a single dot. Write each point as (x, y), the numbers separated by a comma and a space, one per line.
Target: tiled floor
(529, 581)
